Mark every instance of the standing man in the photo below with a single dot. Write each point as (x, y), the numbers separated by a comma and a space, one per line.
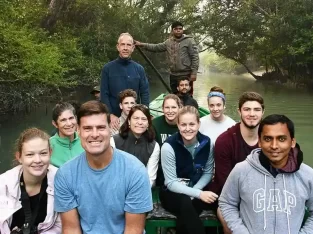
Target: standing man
(234, 145)
(183, 88)
(103, 190)
(182, 53)
(120, 74)
(270, 190)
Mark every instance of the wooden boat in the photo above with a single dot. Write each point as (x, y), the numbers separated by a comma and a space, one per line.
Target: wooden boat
(156, 107)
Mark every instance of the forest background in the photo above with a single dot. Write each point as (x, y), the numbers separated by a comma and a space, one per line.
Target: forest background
(49, 45)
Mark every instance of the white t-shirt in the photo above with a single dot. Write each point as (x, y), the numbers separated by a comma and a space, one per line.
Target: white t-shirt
(212, 128)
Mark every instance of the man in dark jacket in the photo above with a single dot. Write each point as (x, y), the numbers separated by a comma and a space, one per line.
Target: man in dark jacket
(234, 145)
(120, 74)
(182, 53)
(183, 88)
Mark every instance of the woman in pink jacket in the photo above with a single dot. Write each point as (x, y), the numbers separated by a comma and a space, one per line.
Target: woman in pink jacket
(26, 191)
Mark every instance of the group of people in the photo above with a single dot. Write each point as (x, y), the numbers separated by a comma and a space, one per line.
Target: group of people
(96, 172)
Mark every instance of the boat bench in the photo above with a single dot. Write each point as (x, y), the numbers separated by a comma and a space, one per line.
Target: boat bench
(160, 218)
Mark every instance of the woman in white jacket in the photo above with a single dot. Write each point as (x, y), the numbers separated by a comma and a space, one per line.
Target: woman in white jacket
(137, 137)
(27, 190)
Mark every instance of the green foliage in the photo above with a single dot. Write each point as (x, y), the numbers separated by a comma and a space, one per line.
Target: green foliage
(45, 45)
(216, 63)
(277, 33)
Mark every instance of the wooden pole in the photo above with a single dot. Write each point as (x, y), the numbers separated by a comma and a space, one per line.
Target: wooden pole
(154, 68)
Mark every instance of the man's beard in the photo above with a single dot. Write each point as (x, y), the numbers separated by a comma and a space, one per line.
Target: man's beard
(250, 126)
(184, 92)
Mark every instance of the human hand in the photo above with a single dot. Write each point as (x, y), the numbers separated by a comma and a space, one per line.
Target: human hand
(115, 122)
(193, 77)
(208, 196)
(137, 43)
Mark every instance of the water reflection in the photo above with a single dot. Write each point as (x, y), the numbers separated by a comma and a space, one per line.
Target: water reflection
(296, 104)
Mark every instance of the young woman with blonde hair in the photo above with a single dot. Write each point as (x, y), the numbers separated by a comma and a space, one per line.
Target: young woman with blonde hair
(27, 190)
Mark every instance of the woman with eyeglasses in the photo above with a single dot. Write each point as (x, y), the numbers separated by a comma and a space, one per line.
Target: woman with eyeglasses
(137, 137)
(216, 122)
(27, 190)
(187, 162)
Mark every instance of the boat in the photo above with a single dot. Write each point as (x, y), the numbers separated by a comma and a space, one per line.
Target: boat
(156, 107)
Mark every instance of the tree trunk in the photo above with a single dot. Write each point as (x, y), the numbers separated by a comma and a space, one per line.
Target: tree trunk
(246, 67)
(55, 9)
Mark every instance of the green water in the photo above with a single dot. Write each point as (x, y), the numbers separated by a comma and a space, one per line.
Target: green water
(296, 104)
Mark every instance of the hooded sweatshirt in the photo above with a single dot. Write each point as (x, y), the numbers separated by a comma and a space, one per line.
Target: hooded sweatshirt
(63, 149)
(255, 199)
(182, 53)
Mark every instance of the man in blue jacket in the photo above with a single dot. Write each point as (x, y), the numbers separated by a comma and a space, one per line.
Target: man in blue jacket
(120, 74)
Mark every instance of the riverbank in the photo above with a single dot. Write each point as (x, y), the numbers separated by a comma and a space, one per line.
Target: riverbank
(44, 99)
(294, 83)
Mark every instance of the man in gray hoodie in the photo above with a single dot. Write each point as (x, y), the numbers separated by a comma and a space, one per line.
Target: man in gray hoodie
(270, 190)
(182, 52)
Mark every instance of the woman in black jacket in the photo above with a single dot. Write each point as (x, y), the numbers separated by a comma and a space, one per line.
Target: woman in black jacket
(137, 137)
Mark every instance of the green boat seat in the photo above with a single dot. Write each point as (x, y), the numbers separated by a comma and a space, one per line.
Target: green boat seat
(155, 107)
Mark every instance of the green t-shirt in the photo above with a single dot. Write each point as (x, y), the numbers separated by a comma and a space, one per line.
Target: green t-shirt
(162, 129)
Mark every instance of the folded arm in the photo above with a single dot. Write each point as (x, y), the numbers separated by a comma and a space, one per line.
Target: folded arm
(168, 162)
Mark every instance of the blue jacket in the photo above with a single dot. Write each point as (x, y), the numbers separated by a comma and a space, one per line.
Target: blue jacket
(121, 74)
(186, 166)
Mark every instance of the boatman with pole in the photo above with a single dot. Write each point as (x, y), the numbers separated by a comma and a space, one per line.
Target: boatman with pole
(120, 74)
(182, 52)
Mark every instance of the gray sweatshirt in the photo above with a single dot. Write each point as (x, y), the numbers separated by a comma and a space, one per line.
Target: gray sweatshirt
(254, 202)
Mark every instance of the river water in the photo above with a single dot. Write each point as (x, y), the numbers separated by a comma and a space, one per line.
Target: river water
(296, 104)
